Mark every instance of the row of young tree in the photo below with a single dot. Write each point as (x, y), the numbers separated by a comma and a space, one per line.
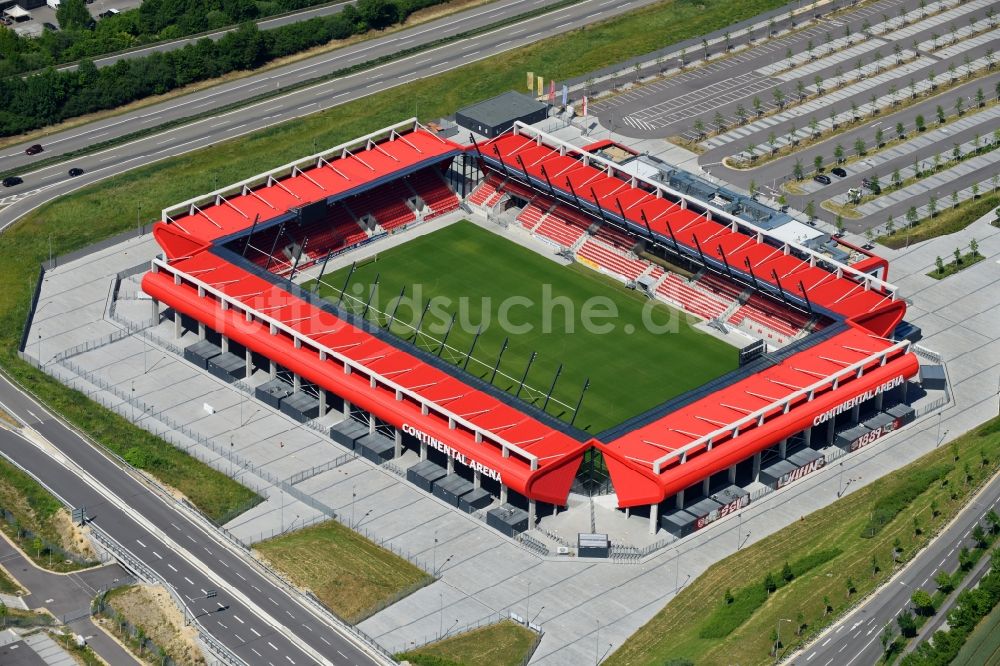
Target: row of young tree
(80, 36)
(52, 96)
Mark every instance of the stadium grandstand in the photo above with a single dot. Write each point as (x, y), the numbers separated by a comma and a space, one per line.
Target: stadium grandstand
(230, 259)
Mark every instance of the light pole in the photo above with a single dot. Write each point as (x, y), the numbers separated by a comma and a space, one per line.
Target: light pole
(777, 636)
(354, 495)
(677, 570)
(435, 551)
(441, 616)
(597, 644)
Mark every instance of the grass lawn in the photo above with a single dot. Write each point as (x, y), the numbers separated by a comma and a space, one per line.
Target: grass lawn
(466, 270)
(503, 644)
(946, 222)
(675, 632)
(351, 575)
(968, 259)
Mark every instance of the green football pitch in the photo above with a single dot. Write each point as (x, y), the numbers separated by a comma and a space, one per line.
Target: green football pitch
(636, 353)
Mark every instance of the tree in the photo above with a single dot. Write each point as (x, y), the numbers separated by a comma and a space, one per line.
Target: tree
(979, 536)
(849, 584)
(73, 15)
(758, 106)
(920, 123)
(897, 179)
(939, 262)
(810, 210)
(888, 638)
(771, 141)
(779, 97)
(965, 559)
(3, 613)
(911, 215)
(786, 573)
(959, 105)
(699, 128)
(935, 509)
(814, 126)
(980, 98)
(827, 607)
(940, 114)
(975, 190)
(839, 223)
(838, 153)
(719, 121)
(728, 597)
(797, 170)
(818, 84)
(378, 14)
(859, 146)
(818, 163)
(741, 114)
(922, 602)
(38, 545)
(800, 90)
(900, 131)
(932, 209)
(993, 519)
(944, 582)
(890, 226)
(907, 624)
(879, 137)
(954, 199)
(875, 566)
(140, 637)
(769, 583)
(957, 252)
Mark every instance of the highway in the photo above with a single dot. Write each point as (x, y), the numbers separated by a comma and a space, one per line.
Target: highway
(855, 640)
(46, 184)
(174, 44)
(258, 619)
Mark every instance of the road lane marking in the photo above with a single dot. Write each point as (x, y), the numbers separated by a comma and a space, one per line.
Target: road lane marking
(273, 646)
(140, 543)
(190, 582)
(158, 556)
(237, 618)
(255, 632)
(172, 567)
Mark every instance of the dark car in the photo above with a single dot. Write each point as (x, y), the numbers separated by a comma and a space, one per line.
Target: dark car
(839, 172)
(49, 26)
(823, 180)
(34, 150)
(11, 181)
(75, 171)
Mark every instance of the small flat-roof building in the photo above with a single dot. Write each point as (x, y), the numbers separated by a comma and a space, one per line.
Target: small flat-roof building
(494, 116)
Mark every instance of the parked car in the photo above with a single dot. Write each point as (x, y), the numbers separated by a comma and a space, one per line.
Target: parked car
(11, 181)
(49, 26)
(75, 171)
(34, 150)
(839, 172)
(821, 179)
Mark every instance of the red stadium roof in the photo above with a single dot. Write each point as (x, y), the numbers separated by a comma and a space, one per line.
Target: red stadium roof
(385, 380)
(332, 173)
(593, 180)
(637, 460)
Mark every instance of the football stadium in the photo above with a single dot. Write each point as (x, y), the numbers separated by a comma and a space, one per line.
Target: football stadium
(515, 319)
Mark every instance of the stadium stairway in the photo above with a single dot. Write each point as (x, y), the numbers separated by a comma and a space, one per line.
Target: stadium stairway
(560, 229)
(487, 193)
(534, 214)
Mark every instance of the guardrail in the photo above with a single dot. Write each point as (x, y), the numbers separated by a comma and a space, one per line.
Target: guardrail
(145, 573)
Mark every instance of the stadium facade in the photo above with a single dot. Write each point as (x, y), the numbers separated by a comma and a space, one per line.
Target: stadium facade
(840, 367)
